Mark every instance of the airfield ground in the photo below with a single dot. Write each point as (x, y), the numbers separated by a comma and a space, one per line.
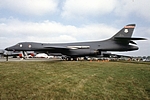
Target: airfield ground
(74, 80)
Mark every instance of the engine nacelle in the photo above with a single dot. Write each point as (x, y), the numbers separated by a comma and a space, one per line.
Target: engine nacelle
(82, 52)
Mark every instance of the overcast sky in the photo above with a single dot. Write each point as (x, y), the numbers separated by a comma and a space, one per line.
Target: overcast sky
(52, 21)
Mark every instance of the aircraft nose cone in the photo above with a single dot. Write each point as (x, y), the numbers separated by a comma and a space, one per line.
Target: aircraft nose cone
(7, 49)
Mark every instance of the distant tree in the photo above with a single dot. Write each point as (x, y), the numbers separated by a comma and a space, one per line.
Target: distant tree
(148, 57)
(144, 57)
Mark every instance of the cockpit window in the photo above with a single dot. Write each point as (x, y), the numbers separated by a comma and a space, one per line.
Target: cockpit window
(29, 45)
(20, 45)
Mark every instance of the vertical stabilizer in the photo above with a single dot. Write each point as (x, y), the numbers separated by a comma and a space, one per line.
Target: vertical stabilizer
(125, 32)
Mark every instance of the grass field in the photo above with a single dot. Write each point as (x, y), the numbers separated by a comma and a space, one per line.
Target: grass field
(81, 80)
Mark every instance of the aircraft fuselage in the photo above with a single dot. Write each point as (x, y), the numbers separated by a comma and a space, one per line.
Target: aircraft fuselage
(73, 49)
(121, 41)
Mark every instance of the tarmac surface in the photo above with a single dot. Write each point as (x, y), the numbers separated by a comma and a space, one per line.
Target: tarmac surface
(28, 59)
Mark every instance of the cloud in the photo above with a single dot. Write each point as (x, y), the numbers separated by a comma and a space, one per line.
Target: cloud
(30, 7)
(142, 9)
(14, 30)
(95, 32)
(83, 8)
(139, 8)
(87, 8)
(78, 8)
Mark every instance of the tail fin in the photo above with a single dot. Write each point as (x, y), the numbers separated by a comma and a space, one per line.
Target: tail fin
(125, 32)
(124, 35)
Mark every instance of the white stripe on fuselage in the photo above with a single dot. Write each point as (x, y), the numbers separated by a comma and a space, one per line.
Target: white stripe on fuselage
(78, 47)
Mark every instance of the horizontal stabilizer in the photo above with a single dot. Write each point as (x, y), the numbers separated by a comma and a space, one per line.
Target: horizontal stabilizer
(129, 38)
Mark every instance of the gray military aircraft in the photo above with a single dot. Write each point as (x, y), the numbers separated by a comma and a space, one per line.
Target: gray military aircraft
(121, 41)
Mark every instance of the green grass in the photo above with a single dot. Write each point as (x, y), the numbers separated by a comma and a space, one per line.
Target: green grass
(80, 80)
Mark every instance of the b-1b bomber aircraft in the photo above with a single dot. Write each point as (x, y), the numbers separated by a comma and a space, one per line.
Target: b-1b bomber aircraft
(121, 41)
